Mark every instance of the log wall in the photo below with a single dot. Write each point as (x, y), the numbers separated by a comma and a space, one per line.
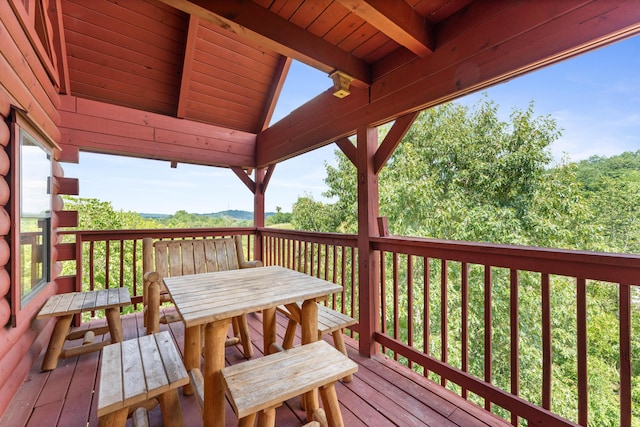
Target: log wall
(25, 84)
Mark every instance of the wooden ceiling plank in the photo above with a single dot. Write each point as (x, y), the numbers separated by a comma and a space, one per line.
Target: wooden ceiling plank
(275, 33)
(187, 65)
(575, 28)
(397, 20)
(274, 93)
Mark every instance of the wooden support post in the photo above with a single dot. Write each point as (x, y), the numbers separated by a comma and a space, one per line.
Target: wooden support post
(258, 211)
(215, 334)
(368, 212)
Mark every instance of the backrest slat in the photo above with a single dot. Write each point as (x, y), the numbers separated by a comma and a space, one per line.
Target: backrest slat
(199, 258)
(232, 255)
(175, 262)
(188, 261)
(161, 258)
(210, 255)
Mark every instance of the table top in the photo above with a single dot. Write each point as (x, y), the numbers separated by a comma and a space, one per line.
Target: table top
(207, 297)
(77, 302)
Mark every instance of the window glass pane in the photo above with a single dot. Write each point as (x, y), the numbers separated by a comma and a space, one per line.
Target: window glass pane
(35, 215)
(36, 172)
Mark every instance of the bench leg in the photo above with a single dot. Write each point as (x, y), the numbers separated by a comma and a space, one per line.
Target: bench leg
(290, 334)
(56, 342)
(331, 405)
(247, 421)
(192, 353)
(338, 342)
(171, 410)
(115, 324)
(215, 334)
(268, 329)
(267, 417)
(245, 338)
(114, 419)
(309, 329)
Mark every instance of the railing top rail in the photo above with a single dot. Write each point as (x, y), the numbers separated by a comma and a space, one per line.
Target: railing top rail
(312, 236)
(610, 267)
(96, 235)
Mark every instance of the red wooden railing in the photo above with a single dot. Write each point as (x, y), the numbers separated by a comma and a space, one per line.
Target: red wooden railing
(443, 306)
(113, 258)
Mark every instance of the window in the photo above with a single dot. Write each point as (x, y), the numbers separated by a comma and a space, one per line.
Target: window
(35, 215)
(31, 200)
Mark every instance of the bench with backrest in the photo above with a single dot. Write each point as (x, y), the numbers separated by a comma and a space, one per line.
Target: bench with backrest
(189, 256)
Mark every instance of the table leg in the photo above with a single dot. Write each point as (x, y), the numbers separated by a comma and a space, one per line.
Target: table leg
(268, 328)
(60, 331)
(215, 334)
(192, 353)
(309, 327)
(115, 324)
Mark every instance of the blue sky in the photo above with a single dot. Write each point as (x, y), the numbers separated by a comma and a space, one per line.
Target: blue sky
(595, 99)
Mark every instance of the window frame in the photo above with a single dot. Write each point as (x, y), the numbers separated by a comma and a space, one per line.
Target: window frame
(20, 305)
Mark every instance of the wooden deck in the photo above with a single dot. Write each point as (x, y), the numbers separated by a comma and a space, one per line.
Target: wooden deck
(382, 393)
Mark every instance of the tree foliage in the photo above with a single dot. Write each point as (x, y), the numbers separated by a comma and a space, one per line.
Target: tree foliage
(462, 173)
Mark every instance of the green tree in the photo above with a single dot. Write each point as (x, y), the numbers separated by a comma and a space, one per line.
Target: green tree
(463, 173)
(279, 217)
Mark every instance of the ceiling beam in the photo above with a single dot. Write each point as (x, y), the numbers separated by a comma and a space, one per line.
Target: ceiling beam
(398, 21)
(273, 32)
(100, 127)
(491, 51)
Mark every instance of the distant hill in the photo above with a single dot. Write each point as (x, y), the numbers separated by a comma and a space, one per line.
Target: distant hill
(235, 214)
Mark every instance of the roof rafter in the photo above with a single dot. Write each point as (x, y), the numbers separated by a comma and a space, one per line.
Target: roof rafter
(189, 54)
(274, 92)
(276, 33)
(397, 20)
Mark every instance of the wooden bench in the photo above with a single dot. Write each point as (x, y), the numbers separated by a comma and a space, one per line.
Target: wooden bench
(64, 306)
(259, 386)
(189, 256)
(329, 322)
(134, 371)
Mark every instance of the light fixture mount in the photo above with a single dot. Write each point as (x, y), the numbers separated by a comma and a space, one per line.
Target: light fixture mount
(341, 82)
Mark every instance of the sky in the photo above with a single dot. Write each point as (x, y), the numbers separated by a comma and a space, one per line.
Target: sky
(594, 97)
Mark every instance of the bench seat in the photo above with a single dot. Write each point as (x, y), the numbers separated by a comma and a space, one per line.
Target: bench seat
(329, 322)
(136, 370)
(260, 386)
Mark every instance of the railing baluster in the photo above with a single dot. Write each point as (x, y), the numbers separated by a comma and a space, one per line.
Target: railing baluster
(383, 294)
(464, 290)
(514, 337)
(625, 354)
(121, 281)
(135, 270)
(488, 330)
(583, 395)
(410, 304)
(547, 355)
(396, 309)
(444, 316)
(427, 308)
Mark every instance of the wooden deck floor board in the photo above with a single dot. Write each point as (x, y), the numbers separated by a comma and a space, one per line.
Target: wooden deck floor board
(381, 394)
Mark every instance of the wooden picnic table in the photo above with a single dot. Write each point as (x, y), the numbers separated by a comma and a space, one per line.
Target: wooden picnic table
(64, 306)
(210, 300)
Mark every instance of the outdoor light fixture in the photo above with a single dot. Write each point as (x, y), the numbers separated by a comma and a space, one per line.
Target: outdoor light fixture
(341, 82)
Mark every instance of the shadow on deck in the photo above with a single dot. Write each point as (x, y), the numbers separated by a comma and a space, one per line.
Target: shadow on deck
(382, 392)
